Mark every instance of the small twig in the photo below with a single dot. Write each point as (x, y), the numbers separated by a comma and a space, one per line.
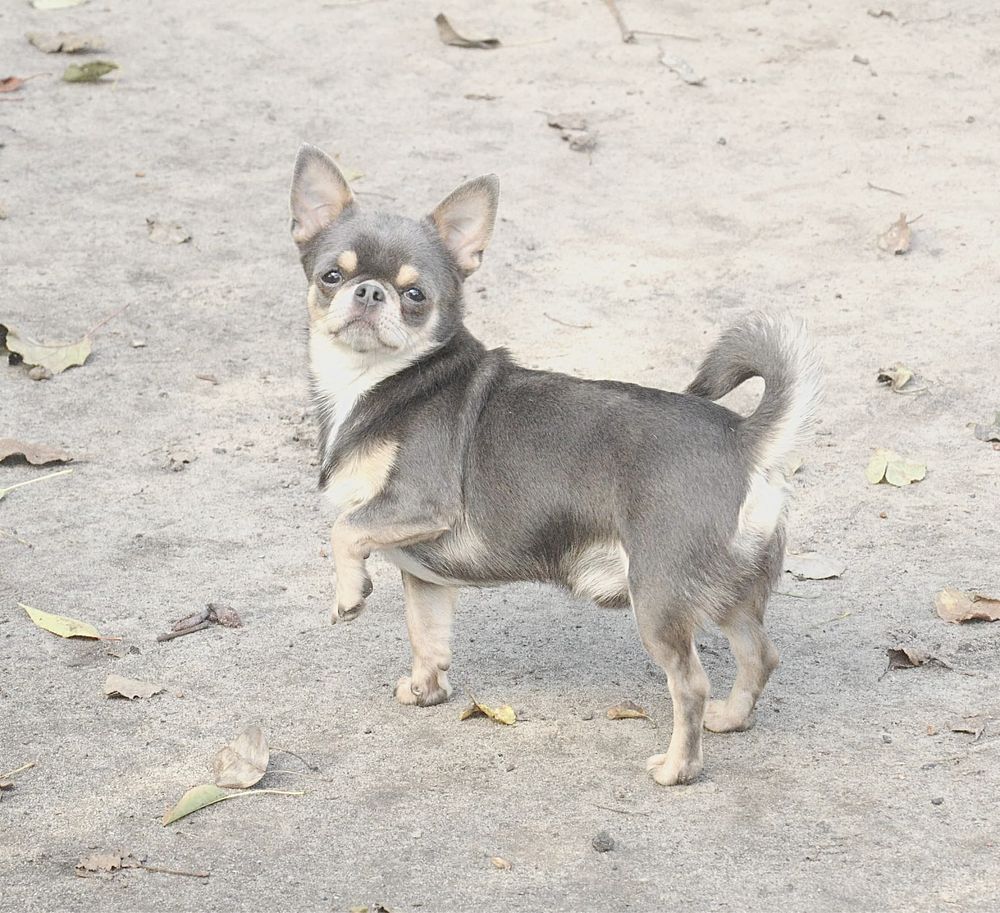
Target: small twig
(622, 811)
(18, 770)
(16, 538)
(886, 189)
(50, 475)
(574, 326)
(628, 36)
(294, 755)
(796, 595)
(162, 871)
(840, 617)
(666, 35)
(101, 323)
(170, 635)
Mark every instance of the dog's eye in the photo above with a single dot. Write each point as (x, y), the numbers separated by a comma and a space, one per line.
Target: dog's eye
(414, 294)
(332, 277)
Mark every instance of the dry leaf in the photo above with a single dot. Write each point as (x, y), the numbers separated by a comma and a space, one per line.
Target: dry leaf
(166, 232)
(957, 606)
(501, 863)
(60, 624)
(65, 42)
(36, 454)
(627, 710)
(11, 83)
(449, 36)
(56, 357)
(199, 797)
(974, 725)
(91, 71)
(574, 130)
(107, 862)
(224, 615)
(813, 566)
(131, 688)
(55, 4)
(683, 69)
(907, 657)
(889, 466)
(243, 761)
(504, 714)
(988, 432)
(896, 239)
(895, 376)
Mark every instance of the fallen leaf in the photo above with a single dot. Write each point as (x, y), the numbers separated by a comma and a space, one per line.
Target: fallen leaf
(167, 232)
(350, 173)
(504, 714)
(896, 239)
(449, 36)
(36, 454)
(895, 376)
(56, 4)
(881, 13)
(813, 566)
(889, 466)
(574, 130)
(243, 761)
(199, 797)
(683, 69)
(974, 725)
(60, 624)
(56, 357)
(989, 432)
(627, 710)
(91, 71)
(957, 606)
(131, 688)
(501, 863)
(11, 83)
(906, 657)
(107, 862)
(65, 42)
(224, 615)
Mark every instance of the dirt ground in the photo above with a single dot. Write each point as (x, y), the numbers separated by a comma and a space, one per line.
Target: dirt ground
(758, 188)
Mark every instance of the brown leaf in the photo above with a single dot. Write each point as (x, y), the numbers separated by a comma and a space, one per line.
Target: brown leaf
(896, 239)
(36, 454)
(66, 42)
(957, 606)
(895, 377)
(130, 688)
(627, 710)
(243, 761)
(224, 615)
(449, 36)
(107, 862)
(11, 83)
(907, 657)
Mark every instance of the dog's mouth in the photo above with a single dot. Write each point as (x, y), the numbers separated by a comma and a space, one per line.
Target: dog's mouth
(363, 334)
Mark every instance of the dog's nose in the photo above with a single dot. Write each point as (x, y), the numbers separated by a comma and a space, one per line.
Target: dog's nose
(369, 293)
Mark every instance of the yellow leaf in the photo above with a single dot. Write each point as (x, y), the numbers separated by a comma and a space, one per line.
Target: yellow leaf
(199, 797)
(504, 714)
(875, 472)
(627, 710)
(60, 624)
(57, 357)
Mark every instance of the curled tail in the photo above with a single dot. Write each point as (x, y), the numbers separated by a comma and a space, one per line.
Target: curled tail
(777, 348)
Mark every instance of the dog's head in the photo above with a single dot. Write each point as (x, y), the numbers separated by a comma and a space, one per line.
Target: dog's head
(383, 285)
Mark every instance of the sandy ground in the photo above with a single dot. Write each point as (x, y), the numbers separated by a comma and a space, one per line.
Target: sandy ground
(851, 794)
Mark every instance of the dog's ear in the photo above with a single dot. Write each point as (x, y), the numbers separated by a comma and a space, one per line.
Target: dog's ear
(320, 193)
(464, 220)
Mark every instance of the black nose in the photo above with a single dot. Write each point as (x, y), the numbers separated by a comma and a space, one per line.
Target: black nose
(370, 293)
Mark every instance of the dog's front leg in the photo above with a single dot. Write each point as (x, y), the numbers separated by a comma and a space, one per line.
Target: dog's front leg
(429, 611)
(352, 540)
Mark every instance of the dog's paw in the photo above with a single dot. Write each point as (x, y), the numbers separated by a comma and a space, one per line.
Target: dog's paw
(670, 771)
(349, 613)
(424, 694)
(720, 716)
(351, 599)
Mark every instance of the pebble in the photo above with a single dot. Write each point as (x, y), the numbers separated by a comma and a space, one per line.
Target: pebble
(603, 842)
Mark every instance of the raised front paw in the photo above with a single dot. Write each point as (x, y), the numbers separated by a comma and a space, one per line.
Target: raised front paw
(424, 693)
(351, 599)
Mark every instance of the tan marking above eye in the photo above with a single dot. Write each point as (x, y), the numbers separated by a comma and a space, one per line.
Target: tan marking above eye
(406, 276)
(348, 261)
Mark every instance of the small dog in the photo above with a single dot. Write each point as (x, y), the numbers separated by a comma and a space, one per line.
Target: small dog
(465, 469)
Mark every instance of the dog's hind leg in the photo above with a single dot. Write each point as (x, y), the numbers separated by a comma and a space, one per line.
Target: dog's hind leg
(756, 659)
(429, 611)
(668, 636)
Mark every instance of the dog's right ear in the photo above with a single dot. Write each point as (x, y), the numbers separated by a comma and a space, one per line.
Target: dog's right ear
(320, 193)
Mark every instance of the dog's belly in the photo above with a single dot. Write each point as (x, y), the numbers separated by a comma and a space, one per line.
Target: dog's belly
(405, 560)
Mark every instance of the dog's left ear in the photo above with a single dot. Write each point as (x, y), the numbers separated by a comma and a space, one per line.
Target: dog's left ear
(320, 193)
(464, 220)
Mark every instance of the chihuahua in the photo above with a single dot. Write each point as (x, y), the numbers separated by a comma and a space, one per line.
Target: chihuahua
(464, 469)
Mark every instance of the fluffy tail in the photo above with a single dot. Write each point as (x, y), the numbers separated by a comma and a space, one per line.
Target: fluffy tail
(776, 348)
